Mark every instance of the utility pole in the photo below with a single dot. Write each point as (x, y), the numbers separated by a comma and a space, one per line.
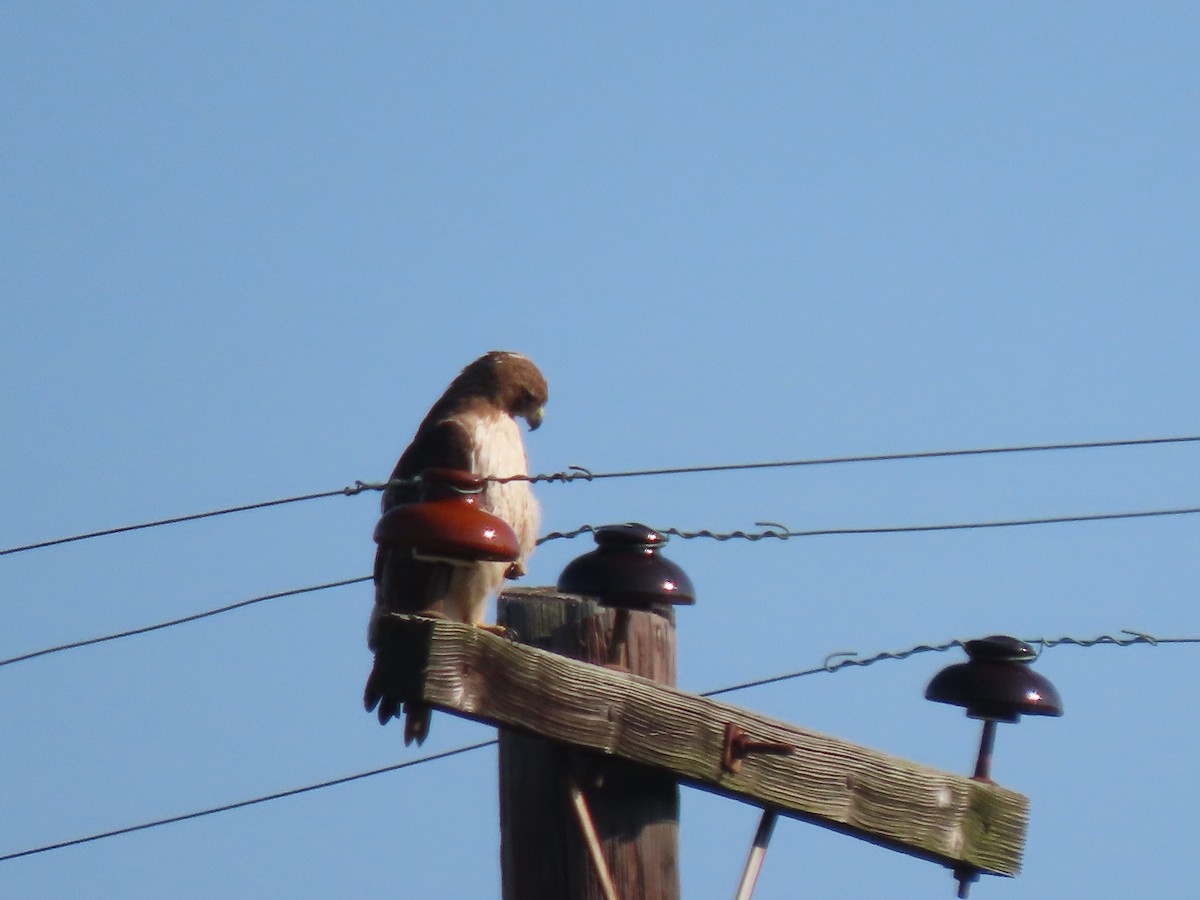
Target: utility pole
(595, 738)
(634, 809)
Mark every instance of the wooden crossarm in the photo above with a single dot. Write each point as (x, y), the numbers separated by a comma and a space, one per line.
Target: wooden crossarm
(936, 815)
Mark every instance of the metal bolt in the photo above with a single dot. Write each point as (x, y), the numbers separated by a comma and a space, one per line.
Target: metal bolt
(737, 746)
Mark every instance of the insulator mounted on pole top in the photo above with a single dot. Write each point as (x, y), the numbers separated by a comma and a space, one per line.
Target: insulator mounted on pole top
(627, 572)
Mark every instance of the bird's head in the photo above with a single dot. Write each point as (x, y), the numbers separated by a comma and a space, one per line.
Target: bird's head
(513, 383)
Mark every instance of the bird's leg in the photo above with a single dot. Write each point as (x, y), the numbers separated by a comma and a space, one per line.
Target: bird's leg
(433, 614)
(500, 630)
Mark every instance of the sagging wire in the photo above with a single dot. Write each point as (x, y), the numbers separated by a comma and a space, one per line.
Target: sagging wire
(848, 659)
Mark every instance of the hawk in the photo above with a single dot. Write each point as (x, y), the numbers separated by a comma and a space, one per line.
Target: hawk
(471, 427)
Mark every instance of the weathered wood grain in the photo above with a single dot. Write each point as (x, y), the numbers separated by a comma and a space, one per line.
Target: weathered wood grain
(903, 805)
(634, 809)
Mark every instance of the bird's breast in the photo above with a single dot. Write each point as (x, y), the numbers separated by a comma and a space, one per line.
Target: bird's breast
(499, 451)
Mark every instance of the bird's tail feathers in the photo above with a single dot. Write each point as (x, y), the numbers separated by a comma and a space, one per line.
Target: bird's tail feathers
(374, 694)
(416, 715)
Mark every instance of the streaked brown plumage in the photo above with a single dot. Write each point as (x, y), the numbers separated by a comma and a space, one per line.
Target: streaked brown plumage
(471, 427)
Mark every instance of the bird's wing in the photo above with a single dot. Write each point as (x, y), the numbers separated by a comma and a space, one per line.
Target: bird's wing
(445, 444)
(403, 584)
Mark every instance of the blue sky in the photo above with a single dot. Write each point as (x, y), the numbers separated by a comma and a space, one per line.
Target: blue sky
(245, 246)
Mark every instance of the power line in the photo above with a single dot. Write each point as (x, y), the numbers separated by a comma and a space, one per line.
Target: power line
(192, 618)
(850, 658)
(244, 803)
(579, 473)
(174, 520)
(780, 532)
(771, 530)
(847, 659)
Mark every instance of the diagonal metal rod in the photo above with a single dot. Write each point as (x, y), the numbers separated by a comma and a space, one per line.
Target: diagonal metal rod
(758, 850)
(590, 838)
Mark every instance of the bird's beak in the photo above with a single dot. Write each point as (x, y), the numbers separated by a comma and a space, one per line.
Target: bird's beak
(535, 418)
